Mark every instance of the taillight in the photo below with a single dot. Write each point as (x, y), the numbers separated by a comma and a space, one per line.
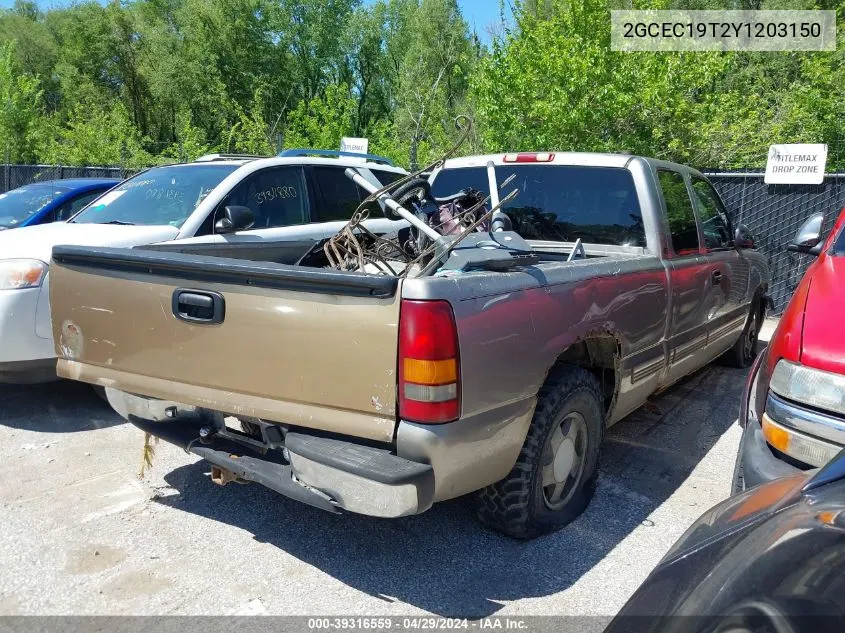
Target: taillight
(429, 367)
(529, 157)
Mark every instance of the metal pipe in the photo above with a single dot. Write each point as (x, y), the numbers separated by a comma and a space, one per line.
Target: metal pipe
(389, 202)
(492, 184)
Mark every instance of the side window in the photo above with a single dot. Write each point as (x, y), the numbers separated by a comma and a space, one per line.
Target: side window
(682, 226)
(74, 206)
(276, 196)
(338, 196)
(386, 177)
(714, 219)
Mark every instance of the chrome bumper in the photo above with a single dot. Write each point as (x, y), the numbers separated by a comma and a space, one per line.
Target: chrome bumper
(817, 437)
(325, 472)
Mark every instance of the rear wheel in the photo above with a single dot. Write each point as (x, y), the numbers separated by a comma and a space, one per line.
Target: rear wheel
(555, 475)
(744, 351)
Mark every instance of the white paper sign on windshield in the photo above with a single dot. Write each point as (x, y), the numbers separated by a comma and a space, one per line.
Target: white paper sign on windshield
(796, 164)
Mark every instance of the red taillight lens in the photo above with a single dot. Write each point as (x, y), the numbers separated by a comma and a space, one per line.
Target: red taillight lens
(529, 157)
(429, 366)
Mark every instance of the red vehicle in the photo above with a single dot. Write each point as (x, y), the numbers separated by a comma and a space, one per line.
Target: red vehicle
(793, 409)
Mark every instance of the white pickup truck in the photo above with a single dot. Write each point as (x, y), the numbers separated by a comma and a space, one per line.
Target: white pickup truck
(233, 204)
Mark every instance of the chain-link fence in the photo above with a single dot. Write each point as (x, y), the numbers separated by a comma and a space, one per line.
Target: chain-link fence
(774, 213)
(14, 176)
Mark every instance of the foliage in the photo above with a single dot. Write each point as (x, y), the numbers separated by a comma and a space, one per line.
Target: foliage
(554, 83)
(142, 81)
(322, 121)
(20, 98)
(93, 136)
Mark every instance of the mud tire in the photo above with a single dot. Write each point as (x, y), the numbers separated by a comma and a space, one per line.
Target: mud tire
(517, 505)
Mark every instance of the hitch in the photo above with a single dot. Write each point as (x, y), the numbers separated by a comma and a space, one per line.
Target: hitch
(221, 476)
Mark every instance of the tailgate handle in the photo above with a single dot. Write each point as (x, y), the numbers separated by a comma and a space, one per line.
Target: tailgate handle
(198, 306)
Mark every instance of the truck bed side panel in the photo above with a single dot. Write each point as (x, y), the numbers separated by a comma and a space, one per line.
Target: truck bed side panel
(530, 317)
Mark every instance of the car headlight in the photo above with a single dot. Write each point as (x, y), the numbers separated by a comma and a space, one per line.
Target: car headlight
(16, 274)
(817, 388)
(813, 434)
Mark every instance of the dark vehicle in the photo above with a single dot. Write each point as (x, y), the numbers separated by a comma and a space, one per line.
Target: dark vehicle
(769, 560)
(49, 201)
(793, 410)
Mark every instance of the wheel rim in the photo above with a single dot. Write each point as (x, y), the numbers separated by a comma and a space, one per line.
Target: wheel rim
(563, 465)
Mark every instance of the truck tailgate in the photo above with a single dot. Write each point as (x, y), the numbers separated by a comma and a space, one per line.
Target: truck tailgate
(300, 346)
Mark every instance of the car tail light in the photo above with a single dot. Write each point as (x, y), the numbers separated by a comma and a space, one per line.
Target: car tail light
(529, 157)
(429, 366)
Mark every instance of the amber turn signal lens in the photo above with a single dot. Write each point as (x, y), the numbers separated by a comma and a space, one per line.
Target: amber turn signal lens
(828, 517)
(775, 435)
(430, 372)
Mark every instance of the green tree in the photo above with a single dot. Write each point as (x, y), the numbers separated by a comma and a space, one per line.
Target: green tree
(432, 76)
(94, 136)
(251, 133)
(322, 122)
(20, 107)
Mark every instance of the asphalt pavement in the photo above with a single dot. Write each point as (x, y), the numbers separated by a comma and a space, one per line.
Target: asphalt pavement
(83, 534)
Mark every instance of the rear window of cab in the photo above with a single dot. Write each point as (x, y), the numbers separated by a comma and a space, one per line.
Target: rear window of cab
(561, 202)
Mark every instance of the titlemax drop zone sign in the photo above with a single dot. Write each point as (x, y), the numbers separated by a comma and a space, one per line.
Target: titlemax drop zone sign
(798, 164)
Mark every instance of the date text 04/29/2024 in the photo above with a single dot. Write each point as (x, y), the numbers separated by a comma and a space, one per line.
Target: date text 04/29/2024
(428, 623)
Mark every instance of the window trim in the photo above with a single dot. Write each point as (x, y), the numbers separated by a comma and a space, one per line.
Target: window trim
(702, 241)
(220, 205)
(664, 212)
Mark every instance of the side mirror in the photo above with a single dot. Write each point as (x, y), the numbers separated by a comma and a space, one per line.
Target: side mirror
(235, 218)
(743, 238)
(809, 237)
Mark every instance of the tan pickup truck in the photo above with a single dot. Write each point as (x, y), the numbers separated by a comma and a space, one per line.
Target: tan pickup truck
(383, 394)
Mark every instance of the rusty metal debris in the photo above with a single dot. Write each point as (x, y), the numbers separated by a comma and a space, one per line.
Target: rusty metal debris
(436, 226)
(354, 247)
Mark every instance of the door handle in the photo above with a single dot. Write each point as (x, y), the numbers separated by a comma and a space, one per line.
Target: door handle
(717, 277)
(198, 306)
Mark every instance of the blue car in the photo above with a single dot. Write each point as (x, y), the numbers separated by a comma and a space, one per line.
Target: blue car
(49, 201)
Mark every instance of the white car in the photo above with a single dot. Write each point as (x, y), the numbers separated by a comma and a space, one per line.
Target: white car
(241, 201)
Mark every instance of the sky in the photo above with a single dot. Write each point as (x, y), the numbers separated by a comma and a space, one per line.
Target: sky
(481, 15)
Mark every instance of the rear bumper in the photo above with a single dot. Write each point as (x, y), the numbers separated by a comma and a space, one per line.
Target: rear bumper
(324, 472)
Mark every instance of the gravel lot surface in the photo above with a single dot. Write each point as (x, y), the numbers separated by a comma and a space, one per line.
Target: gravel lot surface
(82, 534)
